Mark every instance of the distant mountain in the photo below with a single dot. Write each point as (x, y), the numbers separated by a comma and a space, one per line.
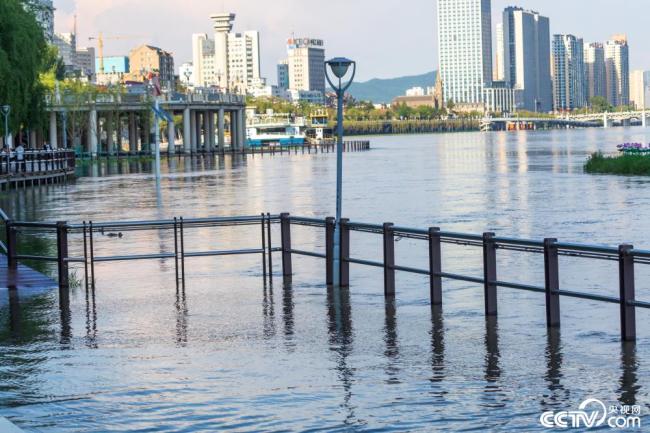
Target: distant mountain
(383, 91)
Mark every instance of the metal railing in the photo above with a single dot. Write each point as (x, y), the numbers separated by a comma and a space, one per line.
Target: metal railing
(36, 162)
(434, 238)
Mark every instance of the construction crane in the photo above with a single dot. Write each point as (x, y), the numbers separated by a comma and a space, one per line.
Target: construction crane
(100, 38)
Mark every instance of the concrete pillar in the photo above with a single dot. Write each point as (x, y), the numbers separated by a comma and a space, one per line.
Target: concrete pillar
(146, 132)
(206, 131)
(187, 131)
(92, 132)
(171, 137)
(118, 141)
(606, 121)
(211, 131)
(53, 131)
(133, 133)
(110, 130)
(222, 133)
(193, 147)
(233, 130)
(242, 128)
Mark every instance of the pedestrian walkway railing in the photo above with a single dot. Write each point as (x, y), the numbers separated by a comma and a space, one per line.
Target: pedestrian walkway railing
(433, 240)
(36, 162)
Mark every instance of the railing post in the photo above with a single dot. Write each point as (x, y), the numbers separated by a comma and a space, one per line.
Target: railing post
(285, 234)
(62, 254)
(490, 274)
(435, 266)
(330, 223)
(12, 263)
(552, 283)
(389, 260)
(345, 252)
(626, 284)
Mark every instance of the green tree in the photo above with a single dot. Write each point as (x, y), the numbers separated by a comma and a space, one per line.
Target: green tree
(600, 104)
(23, 54)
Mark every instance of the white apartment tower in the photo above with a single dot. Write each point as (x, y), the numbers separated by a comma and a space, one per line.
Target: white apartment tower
(44, 12)
(527, 57)
(499, 74)
(230, 60)
(638, 89)
(595, 70)
(243, 60)
(306, 64)
(568, 73)
(465, 49)
(617, 71)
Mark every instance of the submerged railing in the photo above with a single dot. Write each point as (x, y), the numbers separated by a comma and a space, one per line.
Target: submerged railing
(434, 238)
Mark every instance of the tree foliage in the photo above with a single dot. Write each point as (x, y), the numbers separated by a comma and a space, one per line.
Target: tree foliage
(23, 51)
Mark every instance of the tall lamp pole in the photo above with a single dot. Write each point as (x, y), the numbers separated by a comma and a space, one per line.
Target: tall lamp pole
(339, 67)
(6, 109)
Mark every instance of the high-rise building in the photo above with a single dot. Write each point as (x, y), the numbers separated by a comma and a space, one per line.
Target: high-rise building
(243, 60)
(66, 43)
(283, 74)
(146, 59)
(499, 74)
(526, 57)
(568, 73)
(230, 60)
(465, 49)
(203, 61)
(43, 10)
(638, 89)
(617, 71)
(595, 70)
(306, 63)
(86, 61)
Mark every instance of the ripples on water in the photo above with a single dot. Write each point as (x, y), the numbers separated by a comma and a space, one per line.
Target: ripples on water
(229, 353)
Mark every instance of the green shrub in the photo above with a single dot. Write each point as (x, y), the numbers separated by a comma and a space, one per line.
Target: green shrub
(635, 165)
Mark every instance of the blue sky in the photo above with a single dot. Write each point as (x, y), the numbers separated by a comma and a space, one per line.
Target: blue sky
(387, 38)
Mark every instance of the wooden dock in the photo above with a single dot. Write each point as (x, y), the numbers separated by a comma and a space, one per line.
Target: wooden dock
(23, 278)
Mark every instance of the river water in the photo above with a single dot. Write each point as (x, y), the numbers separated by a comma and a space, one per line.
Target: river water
(231, 353)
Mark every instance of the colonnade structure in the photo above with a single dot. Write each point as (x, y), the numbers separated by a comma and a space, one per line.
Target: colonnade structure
(123, 124)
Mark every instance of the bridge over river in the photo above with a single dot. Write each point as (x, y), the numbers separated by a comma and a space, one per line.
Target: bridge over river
(590, 120)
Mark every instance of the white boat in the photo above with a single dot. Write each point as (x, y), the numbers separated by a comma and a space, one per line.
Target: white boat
(271, 130)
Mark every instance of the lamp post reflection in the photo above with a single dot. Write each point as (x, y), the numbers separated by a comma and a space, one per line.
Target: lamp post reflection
(341, 337)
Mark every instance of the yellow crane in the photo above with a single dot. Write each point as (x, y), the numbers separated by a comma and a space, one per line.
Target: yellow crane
(100, 38)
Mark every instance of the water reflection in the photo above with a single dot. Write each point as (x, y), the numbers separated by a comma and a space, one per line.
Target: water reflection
(341, 338)
(182, 314)
(493, 392)
(629, 386)
(14, 314)
(390, 339)
(287, 314)
(91, 319)
(268, 312)
(437, 345)
(557, 393)
(66, 318)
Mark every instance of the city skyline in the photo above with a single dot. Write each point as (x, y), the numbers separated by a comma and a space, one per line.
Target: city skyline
(365, 41)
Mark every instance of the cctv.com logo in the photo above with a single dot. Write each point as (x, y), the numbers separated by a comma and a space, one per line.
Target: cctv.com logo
(593, 413)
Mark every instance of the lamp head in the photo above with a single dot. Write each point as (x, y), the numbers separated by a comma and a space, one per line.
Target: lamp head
(6, 109)
(339, 66)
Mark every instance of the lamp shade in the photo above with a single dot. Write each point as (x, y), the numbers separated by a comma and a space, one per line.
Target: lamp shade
(339, 66)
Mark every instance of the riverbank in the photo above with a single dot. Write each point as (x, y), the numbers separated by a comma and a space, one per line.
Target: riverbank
(380, 127)
(631, 165)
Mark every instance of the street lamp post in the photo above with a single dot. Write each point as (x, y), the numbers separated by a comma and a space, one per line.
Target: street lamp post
(6, 109)
(339, 67)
